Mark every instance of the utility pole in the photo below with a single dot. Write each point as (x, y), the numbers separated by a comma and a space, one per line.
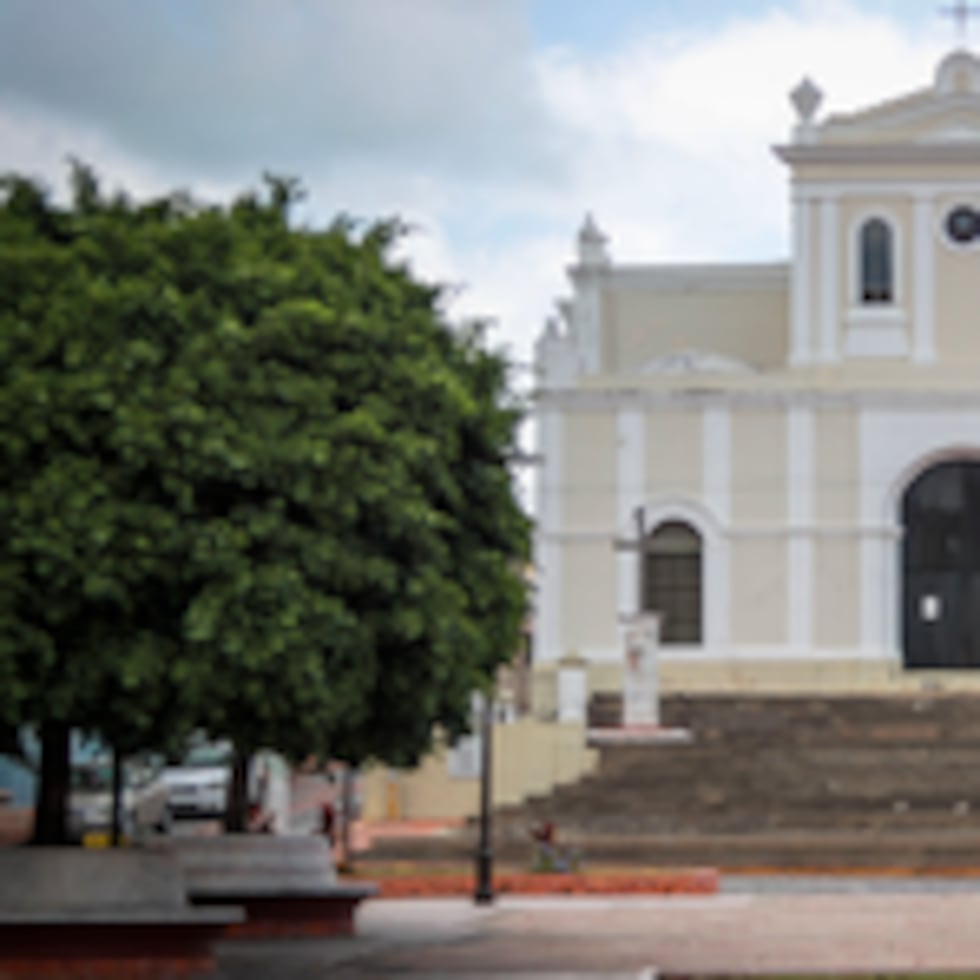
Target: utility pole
(484, 855)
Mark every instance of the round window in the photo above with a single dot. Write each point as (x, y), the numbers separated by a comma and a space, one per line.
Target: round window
(962, 224)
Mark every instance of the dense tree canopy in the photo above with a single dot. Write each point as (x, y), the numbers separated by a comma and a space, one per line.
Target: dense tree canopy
(253, 480)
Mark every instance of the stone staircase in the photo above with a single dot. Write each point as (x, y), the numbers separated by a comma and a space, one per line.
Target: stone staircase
(776, 781)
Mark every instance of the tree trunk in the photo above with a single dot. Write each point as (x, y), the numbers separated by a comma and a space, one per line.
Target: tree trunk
(236, 816)
(117, 800)
(51, 813)
(347, 795)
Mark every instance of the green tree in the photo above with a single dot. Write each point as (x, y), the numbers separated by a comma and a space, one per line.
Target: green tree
(254, 482)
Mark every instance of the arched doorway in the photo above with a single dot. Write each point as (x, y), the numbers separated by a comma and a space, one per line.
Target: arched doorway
(672, 582)
(941, 567)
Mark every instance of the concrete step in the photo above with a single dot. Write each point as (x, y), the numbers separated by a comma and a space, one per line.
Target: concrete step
(759, 765)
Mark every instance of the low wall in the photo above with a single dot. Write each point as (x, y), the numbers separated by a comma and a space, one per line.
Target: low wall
(529, 757)
(846, 675)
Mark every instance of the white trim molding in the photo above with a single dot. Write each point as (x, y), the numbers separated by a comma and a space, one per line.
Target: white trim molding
(716, 491)
(716, 461)
(801, 343)
(829, 285)
(745, 654)
(799, 548)
(876, 332)
(630, 491)
(547, 546)
(924, 278)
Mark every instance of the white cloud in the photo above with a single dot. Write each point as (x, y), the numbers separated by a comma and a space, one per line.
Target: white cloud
(673, 133)
(440, 111)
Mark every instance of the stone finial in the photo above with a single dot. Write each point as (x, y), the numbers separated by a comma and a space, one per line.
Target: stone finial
(592, 244)
(806, 99)
(959, 71)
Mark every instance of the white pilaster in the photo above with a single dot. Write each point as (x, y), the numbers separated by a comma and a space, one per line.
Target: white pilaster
(924, 279)
(800, 510)
(800, 337)
(829, 279)
(716, 491)
(547, 628)
(631, 493)
(716, 464)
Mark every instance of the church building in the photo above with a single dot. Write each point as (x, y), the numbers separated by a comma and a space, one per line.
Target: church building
(780, 460)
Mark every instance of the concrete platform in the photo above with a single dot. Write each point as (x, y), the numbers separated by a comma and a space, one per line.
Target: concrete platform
(286, 884)
(71, 914)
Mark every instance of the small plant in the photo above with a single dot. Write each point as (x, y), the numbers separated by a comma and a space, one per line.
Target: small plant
(548, 857)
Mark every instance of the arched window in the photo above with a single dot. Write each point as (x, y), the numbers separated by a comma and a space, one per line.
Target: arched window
(877, 262)
(672, 581)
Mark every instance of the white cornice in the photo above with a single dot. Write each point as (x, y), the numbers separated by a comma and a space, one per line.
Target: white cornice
(910, 188)
(702, 396)
(879, 154)
(699, 277)
(917, 108)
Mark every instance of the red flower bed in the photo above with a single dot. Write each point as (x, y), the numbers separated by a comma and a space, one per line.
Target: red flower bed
(695, 881)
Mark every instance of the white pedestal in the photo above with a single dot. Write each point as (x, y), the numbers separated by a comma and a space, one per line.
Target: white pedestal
(573, 691)
(641, 696)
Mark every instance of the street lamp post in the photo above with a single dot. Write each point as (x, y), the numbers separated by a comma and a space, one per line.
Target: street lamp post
(484, 856)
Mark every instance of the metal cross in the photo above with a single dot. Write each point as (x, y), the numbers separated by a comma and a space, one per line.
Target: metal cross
(636, 544)
(961, 12)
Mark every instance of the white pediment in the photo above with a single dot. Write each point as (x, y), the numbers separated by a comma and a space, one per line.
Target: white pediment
(684, 362)
(946, 112)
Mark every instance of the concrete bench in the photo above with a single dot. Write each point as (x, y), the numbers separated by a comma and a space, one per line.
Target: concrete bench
(67, 912)
(287, 885)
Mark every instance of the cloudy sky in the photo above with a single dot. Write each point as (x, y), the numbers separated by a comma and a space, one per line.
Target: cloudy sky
(491, 125)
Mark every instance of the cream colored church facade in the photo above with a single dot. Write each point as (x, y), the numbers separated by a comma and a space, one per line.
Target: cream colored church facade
(783, 460)
(779, 458)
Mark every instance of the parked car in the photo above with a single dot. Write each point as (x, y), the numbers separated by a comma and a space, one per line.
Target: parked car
(145, 798)
(199, 784)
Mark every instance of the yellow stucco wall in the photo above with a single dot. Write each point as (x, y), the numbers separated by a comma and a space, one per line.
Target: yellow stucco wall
(673, 454)
(529, 757)
(957, 295)
(836, 467)
(759, 591)
(748, 324)
(837, 593)
(758, 468)
(589, 598)
(588, 481)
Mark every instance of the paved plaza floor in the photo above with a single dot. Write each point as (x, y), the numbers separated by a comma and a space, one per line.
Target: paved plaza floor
(777, 925)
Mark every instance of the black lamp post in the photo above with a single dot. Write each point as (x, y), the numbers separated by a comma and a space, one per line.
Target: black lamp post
(484, 855)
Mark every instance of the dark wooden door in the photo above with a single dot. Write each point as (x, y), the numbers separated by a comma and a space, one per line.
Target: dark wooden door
(941, 568)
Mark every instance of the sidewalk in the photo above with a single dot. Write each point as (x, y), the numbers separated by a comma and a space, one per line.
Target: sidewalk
(591, 938)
